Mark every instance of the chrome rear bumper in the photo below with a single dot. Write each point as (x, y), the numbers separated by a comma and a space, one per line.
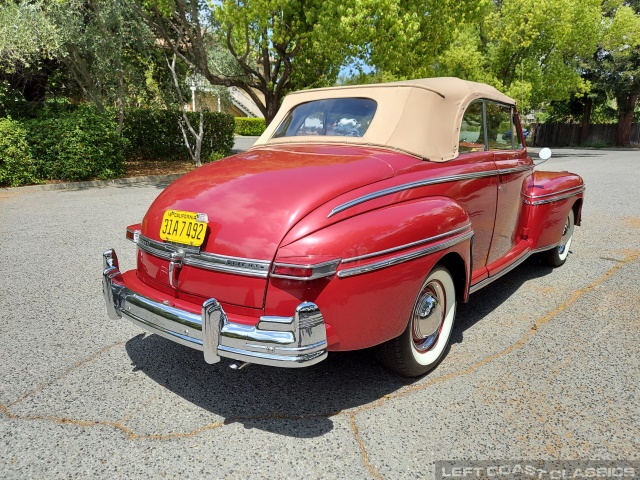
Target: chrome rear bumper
(296, 341)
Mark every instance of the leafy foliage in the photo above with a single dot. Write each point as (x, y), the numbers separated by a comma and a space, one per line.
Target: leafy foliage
(76, 146)
(263, 47)
(249, 126)
(154, 133)
(27, 35)
(529, 50)
(16, 165)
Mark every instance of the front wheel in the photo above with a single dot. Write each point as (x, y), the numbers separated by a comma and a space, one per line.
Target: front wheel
(422, 344)
(558, 255)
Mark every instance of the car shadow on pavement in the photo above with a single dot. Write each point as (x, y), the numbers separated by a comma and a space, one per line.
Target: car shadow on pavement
(487, 299)
(266, 398)
(295, 402)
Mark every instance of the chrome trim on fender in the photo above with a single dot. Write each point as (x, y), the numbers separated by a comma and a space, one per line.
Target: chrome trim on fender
(207, 261)
(296, 341)
(349, 272)
(425, 183)
(553, 198)
(408, 245)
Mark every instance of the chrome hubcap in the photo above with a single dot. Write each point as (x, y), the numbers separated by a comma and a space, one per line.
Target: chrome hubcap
(428, 316)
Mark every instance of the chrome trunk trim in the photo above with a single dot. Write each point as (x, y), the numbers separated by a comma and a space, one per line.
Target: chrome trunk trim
(208, 261)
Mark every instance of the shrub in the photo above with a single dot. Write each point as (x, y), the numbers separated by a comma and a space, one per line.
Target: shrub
(156, 133)
(218, 133)
(77, 145)
(16, 165)
(250, 126)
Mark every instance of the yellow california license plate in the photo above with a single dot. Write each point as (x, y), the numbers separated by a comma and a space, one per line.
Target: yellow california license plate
(188, 228)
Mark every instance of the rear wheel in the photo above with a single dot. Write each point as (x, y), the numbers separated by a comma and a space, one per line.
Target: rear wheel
(422, 344)
(558, 255)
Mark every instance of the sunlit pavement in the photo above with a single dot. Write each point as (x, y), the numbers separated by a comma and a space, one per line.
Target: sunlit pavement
(543, 363)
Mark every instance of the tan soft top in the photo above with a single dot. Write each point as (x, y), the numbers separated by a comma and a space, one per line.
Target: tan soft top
(420, 117)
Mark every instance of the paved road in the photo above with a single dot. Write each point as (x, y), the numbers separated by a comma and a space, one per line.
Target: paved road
(242, 143)
(543, 364)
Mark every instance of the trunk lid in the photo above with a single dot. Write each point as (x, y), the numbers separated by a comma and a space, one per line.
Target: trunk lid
(252, 200)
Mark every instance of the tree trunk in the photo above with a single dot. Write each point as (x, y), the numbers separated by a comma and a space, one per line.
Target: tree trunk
(586, 119)
(120, 102)
(272, 102)
(626, 107)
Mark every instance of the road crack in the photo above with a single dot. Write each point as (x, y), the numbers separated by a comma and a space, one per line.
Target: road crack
(65, 373)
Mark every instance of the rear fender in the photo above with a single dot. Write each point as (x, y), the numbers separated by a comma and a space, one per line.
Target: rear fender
(385, 256)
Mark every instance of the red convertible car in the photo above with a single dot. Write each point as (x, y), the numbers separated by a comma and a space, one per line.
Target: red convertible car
(359, 218)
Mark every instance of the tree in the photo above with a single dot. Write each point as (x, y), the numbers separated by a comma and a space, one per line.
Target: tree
(403, 38)
(106, 49)
(99, 50)
(530, 50)
(617, 65)
(194, 148)
(30, 43)
(263, 47)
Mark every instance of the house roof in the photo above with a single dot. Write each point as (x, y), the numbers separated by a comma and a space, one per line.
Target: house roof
(419, 117)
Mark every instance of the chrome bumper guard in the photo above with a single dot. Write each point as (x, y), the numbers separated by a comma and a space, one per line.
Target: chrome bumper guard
(296, 341)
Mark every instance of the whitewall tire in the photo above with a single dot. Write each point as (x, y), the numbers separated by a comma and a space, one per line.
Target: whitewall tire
(424, 341)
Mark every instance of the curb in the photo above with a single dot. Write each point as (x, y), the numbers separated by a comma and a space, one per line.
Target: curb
(96, 183)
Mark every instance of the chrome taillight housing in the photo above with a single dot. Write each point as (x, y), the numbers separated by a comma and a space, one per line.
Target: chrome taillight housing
(305, 267)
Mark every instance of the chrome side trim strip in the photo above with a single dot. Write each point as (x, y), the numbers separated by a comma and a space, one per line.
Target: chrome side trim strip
(504, 271)
(559, 192)
(408, 245)
(409, 186)
(209, 261)
(425, 183)
(488, 280)
(350, 272)
(552, 199)
(507, 171)
(544, 249)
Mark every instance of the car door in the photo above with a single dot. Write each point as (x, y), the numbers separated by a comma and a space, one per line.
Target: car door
(477, 195)
(504, 141)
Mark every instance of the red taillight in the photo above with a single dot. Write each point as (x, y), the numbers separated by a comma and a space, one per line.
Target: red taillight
(305, 268)
(292, 271)
(133, 231)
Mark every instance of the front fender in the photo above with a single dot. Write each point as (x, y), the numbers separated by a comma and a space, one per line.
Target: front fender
(385, 256)
(547, 198)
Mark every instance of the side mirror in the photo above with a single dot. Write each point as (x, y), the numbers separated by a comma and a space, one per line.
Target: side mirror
(545, 154)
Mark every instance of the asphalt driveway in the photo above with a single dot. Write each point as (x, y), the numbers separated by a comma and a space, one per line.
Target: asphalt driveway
(544, 363)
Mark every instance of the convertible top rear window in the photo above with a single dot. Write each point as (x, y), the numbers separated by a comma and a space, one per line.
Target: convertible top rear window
(345, 117)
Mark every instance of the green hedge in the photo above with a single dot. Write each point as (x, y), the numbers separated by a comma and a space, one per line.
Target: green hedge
(16, 164)
(249, 126)
(66, 142)
(157, 134)
(76, 145)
